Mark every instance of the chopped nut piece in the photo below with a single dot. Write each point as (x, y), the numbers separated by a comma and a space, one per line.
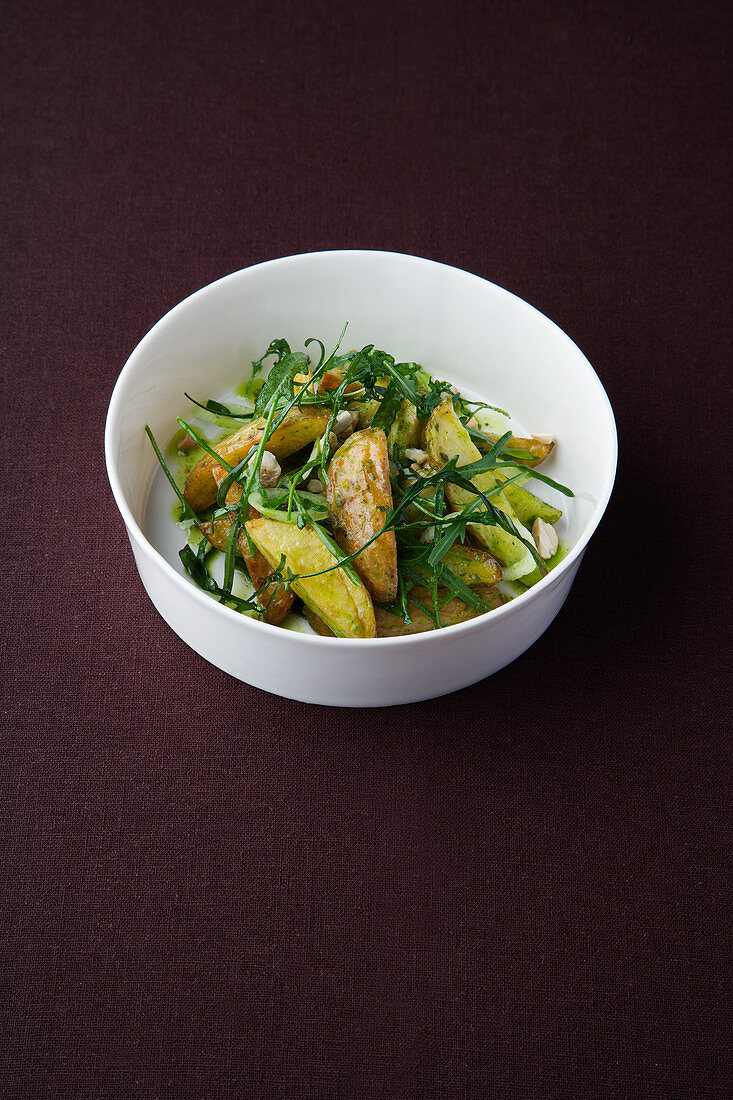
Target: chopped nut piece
(544, 438)
(415, 454)
(472, 423)
(333, 441)
(422, 469)
(186, 444)
(269, 471)
(315, 485)
(343, 425)
(545, 537)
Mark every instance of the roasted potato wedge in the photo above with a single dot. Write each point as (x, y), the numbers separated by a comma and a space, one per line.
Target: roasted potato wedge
(343, 605)
(275, 598)
(527, 506)
(359, 497)
(300, 427)
(406, 429)
(329, 380)
(473, 566)
(365, 410)
(445, 438)
(455, 611)
(534, 449)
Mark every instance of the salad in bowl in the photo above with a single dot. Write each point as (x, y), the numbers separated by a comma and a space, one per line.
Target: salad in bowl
(381, 505)
(359, 494)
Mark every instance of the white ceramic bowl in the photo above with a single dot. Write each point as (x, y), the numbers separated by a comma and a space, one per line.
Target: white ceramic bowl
(459, 327)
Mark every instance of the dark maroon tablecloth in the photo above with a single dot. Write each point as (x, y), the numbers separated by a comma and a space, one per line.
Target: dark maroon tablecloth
(515, 891)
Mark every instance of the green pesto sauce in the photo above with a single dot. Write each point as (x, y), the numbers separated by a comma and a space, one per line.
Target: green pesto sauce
(180, 465)
(562, 552)
(250, 388)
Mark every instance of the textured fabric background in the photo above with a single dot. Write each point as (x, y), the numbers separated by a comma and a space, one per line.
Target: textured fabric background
(516, 891)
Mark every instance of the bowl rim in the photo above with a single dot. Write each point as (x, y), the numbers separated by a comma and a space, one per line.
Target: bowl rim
(427, 638)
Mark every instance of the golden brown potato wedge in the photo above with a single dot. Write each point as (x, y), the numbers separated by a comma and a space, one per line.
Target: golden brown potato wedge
(300, 427)
(365, 410)
(329, 380)
(473, 566)
(406, 429)
(536, 451)
(275, 598)
(445, 438)
(525, 504)
(359, 497)
(235, 489)
(527, 507)
(343, 605)
(455, 611)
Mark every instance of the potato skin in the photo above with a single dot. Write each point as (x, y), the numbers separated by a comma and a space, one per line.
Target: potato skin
(446, 438)
(274, 597)
(455, 611)
(300, 427)
(329, 380)
(527, 506)
(366, 410)
(359, 497)
(473, 566)
(406, 430)
(536, 450)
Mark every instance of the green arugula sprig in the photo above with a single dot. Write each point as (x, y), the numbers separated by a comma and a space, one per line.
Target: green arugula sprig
(196, 568)
(218, 409)
(280, 378)
(186, 511)
(516, 453)
(490, 461)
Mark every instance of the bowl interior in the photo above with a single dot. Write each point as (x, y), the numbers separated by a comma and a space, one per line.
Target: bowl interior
(489, 343)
